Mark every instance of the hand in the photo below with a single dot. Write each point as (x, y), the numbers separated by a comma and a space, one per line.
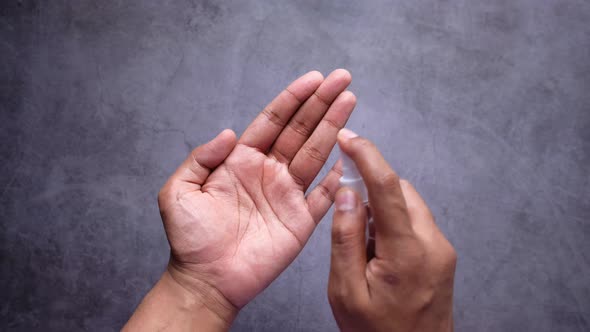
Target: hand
(235, 212)
(407, 285)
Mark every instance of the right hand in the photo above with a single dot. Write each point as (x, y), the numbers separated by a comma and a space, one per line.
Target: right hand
(408, 284)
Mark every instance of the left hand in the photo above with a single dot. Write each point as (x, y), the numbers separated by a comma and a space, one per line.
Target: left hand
(235, 212)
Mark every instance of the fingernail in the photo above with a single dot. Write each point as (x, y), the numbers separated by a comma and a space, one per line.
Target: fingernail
(345, 200)
(345, 134)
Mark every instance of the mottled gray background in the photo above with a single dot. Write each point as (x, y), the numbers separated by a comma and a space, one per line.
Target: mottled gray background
(484, 105)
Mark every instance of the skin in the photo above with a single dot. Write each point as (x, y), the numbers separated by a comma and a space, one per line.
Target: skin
(405, 281)
(236, 212)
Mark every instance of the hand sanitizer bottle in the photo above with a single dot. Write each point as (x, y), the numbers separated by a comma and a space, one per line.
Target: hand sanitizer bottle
(351, 178)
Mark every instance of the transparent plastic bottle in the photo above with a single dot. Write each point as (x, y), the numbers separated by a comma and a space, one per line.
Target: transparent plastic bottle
(351, 178)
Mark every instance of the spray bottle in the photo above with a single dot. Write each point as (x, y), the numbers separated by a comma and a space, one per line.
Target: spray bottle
(352, 179)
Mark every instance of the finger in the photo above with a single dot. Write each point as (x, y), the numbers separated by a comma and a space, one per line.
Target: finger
(420, 216)
(300, 127)
(385, 195)
(348, 259)
(267, 126)
(321, 197)
(203, 159)
(313, 155)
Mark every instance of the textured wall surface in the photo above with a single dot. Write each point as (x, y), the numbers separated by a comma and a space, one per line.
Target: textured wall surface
(483, 105)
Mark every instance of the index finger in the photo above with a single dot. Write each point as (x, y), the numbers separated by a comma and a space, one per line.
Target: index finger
(386, 198)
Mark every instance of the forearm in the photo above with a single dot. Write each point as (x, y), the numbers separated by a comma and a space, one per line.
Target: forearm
(172, 307)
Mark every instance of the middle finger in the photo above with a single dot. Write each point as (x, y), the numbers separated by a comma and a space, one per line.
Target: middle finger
(303, 123)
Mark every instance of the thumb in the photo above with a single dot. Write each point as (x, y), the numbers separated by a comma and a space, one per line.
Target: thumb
(349, 258)
(203, 159)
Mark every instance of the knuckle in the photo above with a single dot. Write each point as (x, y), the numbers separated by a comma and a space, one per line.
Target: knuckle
(446, 256)
(343, 236)
(194, 153)
(424, 299)
(345, 233)
(194, 158)
(294, 96)
(316, 154)
(322, 99)
(337, 294)
(388, 181)
(299, 181)
(332, 124)
(280, 155)
(273, 117)
(300, 127)
(325, 192)
(342, 299)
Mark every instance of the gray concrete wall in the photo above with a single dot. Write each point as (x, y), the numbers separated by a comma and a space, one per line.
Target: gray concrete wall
(483, 105)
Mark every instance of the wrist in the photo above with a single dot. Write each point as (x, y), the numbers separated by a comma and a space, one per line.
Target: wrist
(199, 296)
(173, 306)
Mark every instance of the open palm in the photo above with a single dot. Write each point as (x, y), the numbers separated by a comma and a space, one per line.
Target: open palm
(235, 212)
